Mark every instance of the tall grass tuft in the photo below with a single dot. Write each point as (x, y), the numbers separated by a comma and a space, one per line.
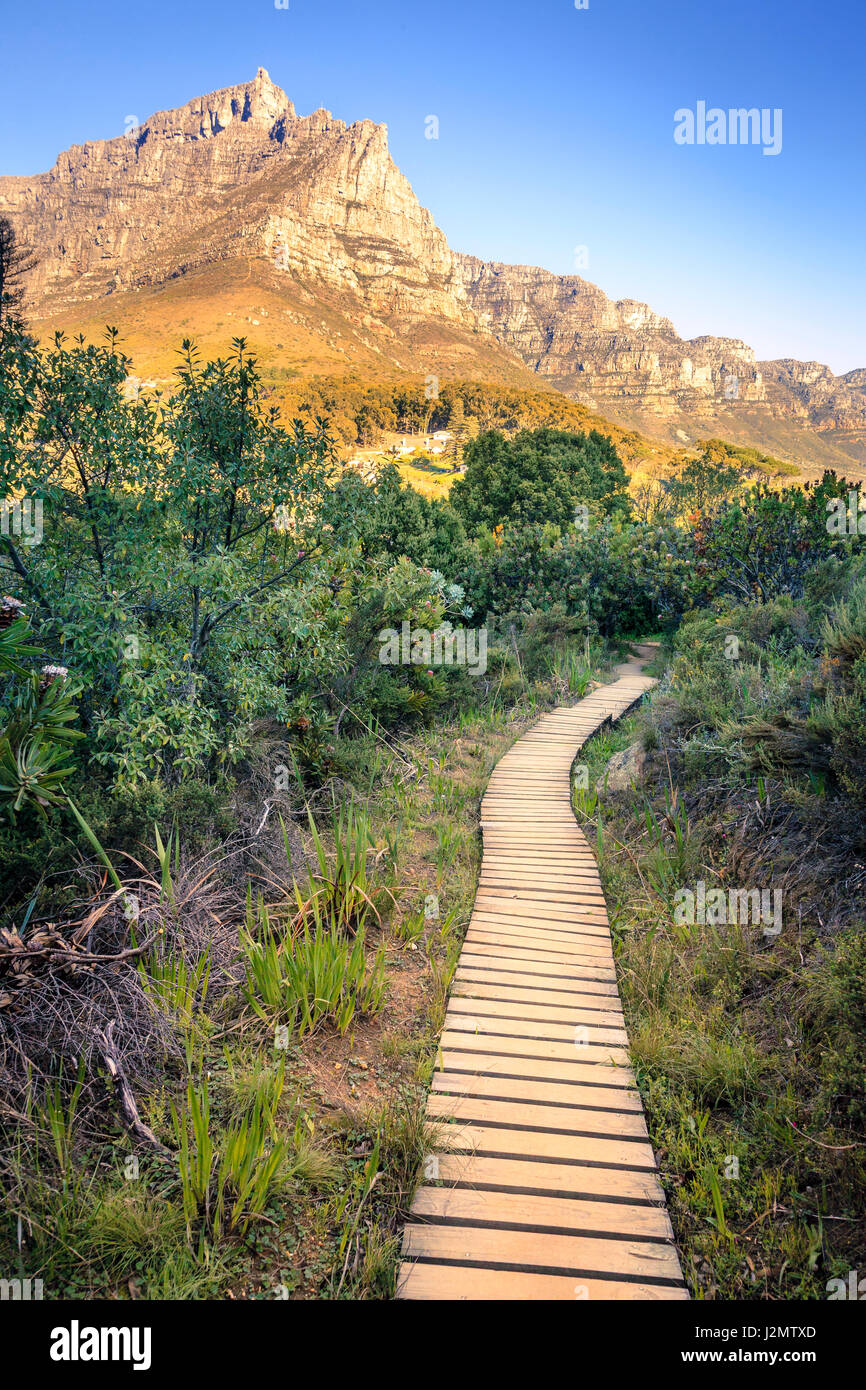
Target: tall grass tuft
(338, 889)
(226, 1190)
(311, 977)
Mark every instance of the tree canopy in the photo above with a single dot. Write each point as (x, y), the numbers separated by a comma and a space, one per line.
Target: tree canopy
(538, 476)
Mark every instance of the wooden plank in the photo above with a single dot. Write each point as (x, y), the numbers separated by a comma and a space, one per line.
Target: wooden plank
(575, 920)
(540, 888)
(550, 926)
(462, 1059)
(550, 1214)
(538, 946)
(529, 908)
(602, 1151)
(534, 904)
(535, 943)
(426, 1281)
(529, 861)
(535, 1176)
(540, 1047)
(470, 980)
(545, 929)
(503, 1008)
(532, 844)
(580, 979)
(554, 1119)
(576, 1255)
(518, 873)
(475, 958)
(556, 931)
(542, 932)
(525, 862)
(540, 896)
(543, 1182)
(551, 1093)
(497, 862)
(496, 1025)
(534, 838)
(491, 943)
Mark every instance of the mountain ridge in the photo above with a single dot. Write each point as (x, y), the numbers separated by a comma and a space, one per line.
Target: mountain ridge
(348, 260)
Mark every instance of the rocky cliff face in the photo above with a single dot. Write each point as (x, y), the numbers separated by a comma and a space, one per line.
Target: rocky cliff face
(608, 353)
(236, 174)
(237, 180)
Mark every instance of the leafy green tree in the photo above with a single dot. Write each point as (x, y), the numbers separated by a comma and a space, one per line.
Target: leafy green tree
(702, 485)
(613, 579)
(186, 573)
(767, 542)
(392, 519)
(538, 476)
(236, 481)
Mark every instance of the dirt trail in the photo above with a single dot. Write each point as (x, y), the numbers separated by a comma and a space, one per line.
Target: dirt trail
(642, 653)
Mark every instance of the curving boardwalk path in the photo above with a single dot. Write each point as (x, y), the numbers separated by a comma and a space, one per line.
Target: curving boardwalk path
(546, 1185)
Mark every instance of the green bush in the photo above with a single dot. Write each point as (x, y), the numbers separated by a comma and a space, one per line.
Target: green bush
(538, 477)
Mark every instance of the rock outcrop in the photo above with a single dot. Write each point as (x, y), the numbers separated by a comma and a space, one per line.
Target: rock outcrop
(236, 174)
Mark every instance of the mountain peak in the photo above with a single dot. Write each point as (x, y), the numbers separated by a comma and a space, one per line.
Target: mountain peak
(260, 103)
(235, 189)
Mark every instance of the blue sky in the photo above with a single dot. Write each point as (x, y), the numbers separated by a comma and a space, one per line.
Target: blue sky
(555, 131)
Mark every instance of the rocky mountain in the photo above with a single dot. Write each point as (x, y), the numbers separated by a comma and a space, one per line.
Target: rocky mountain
(626, 360)
(236, 174)
(234, 214)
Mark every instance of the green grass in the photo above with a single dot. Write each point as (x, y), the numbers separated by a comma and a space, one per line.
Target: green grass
(296, 1152)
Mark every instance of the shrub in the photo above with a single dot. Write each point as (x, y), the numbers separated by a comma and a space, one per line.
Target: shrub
(845, 1062)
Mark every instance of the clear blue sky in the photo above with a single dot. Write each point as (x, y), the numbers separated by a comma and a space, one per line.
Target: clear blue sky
(556, 131)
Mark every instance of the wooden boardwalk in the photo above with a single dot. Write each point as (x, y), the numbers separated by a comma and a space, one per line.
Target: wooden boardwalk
(545, 1186)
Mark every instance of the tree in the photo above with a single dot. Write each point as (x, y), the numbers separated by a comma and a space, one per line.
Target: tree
(16, 261)
(184, 574)
(619, 578)
(703, 484)
(538, 476)
(364, 425)
(393, 520)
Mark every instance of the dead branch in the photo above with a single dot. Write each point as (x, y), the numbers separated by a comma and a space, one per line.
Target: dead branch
(128, 1105)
